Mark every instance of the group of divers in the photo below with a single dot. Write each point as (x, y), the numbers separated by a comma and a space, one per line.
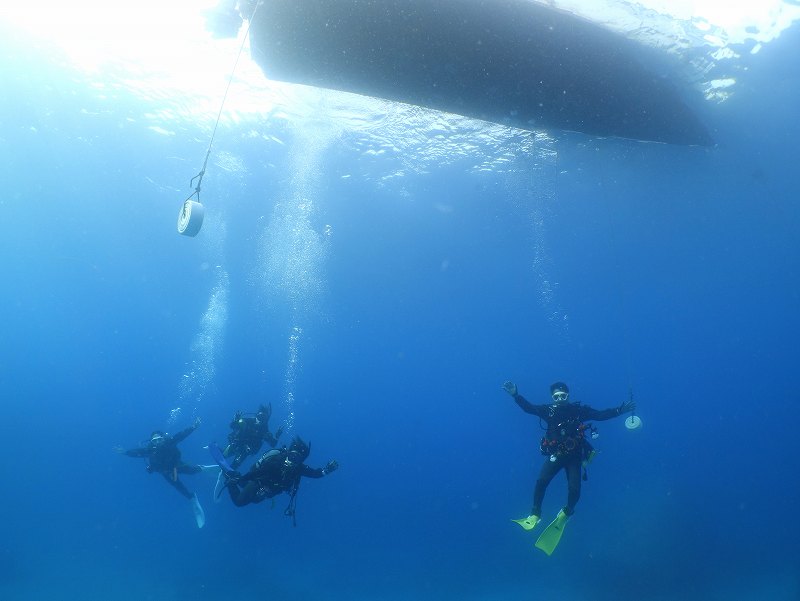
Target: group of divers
(279, 470)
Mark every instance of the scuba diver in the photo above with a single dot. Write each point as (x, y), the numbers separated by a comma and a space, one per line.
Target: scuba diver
(565, 445)
(277, 471)
(248, 432)
(164, 457)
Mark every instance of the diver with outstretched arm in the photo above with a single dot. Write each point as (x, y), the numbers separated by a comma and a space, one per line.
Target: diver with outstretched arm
(565, 445)
(276, 472)
(164, 457)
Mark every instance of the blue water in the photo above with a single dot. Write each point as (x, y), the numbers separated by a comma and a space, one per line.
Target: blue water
(379, 302)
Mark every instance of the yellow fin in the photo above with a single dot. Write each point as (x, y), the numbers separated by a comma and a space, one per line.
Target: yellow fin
(528, 523)
(548, 540)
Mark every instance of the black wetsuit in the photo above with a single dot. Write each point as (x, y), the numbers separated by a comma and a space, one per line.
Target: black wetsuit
(565, 444)
(164, 457)
(270, 476)
(247, 435)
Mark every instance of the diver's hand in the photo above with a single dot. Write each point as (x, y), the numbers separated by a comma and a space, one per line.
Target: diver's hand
(626, 407)
(278, 433)
(332, 466)
(196, 423)
(510, 388)
(119, 449)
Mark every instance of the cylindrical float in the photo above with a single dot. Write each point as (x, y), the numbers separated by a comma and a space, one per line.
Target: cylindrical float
(633, 422)
(190, 219)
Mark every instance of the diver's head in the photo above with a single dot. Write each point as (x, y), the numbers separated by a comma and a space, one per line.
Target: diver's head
(157, 437)
(298, 451)
(560, 392)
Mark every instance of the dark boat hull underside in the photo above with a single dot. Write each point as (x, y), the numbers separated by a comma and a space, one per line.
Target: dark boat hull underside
(505, 61)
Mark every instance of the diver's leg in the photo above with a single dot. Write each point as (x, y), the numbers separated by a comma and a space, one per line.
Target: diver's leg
(243, 496)
(549, 469)
(177, 484)
(185, 468)
(573, 469)
(237, 453)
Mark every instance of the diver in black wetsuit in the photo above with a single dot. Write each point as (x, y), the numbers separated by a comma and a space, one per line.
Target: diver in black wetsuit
(277, 471)
(564, 442)
(248, 432)
(164, 457)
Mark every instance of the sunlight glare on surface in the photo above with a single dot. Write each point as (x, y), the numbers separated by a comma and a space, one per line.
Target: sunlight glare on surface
(156, 49)
(761, 20)
(737, 22)
(92, 33)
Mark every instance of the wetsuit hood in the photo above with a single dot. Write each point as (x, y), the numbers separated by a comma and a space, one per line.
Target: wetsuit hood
(559, 392)
(299, 450)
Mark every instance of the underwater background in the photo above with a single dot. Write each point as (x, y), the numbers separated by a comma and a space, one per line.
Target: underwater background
(376, 272)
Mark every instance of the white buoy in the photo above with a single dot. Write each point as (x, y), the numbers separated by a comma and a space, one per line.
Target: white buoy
(633, 423)
(190, 219)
